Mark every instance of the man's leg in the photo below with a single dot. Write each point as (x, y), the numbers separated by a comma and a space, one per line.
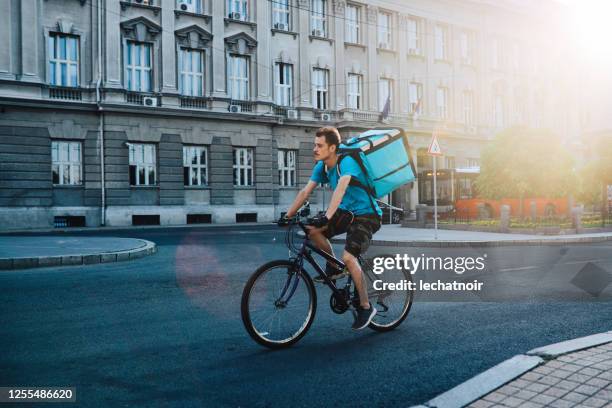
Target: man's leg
(319, 239)
(356, 273)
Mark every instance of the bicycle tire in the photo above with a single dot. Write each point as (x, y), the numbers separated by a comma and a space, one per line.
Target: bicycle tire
(246, 312)
(406, 306)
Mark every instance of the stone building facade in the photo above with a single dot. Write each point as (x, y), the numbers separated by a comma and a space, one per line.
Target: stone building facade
(180, 111)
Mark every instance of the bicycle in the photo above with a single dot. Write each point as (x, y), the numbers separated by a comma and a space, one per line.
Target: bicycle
(279, 301)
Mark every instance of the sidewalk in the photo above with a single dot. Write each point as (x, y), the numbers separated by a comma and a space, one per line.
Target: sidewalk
(395, 235)
(575, 373)
(17, 252)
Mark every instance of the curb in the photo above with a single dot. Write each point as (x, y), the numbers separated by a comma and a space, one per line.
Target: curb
(506, 371)
(470, 244)
(147, 248)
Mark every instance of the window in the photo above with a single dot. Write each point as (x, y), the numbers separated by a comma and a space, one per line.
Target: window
(466, 48)
(138, 67)
(519, 105)
(318, 18)
(384, 93)
(238, 77)
(353, 91)
(142, 164)
(495, 54)
(415, 95)
(286, 168)
(193, 6)
(63, 60)
(195, 172)
(284, 84)
(238, 9)
(352, 24)
(280, 14)
(442, 102)
(384, 31)
(449, 162)
(191, 72)
(414, 37)
(498, 110)
(468, 107)
(516, 56)
(320, 79)
(473, 162)
(441, 42)
(243, 166)
(66, 163)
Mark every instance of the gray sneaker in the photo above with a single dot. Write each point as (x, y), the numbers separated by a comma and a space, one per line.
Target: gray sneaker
(363, 317)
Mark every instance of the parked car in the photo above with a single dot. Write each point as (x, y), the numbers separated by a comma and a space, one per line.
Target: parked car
(397, 214)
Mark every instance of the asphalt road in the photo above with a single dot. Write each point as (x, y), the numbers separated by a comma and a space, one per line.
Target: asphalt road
(165, 330)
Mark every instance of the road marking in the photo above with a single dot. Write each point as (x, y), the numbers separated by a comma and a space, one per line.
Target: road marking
(524, 268)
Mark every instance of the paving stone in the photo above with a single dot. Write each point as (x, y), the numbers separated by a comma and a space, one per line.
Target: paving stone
(590, 371)
(549, 380)
(508, 390)
(543, 399)
(495, 397)
(574, 397)
(587, 389)
(554, 364)
(598, 382)
(606, 375)
(481, 404)
(543, 370)
(532, 376)
(560, 403)
(594, 402)
(605, 394)
(561, 373)
(580, 378)
(525, 394)
(531, 404)
(513, 402)
(567, 385)
(520, 383)
(536, 387)
(555, 392)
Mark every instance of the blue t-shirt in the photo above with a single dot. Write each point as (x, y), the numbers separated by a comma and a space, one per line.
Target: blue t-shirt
(355, 199)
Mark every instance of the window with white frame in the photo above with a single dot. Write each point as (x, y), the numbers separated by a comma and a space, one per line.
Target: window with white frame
(415, 97)
(498, 110)
(468, 107)
(441, 41)
(384, 31)
(465, 40)
(192, 6)
(143, 169)
(66, 163)
(243, 166)
(353, 21)
(238, 77)
(353, 91)
(280, 14)
(473, 162)
(138, 67)
(191, 68)
(318, 18)
(63, 54)
(495, 54)
(284, 84)
(238, 9)
(195, 162)
(384, 94)
(449, 162)
(442, 102)
(320, 81)
(414, 36)
(286, 168)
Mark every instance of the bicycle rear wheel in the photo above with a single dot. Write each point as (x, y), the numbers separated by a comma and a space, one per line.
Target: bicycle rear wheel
(278, 304)
(393, 305)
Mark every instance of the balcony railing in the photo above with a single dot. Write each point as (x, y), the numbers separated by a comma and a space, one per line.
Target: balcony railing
(241, 106)
(194, 102)
(68, 94)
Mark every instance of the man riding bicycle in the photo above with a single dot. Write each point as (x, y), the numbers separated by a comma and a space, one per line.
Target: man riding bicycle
(351, 210)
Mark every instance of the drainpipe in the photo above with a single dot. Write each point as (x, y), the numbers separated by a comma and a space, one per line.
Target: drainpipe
(101, 118)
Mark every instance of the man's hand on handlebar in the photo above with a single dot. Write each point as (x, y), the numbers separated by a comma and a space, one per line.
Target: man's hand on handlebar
(318, 221)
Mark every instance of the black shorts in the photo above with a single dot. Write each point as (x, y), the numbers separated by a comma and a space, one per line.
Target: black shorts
(359, 230)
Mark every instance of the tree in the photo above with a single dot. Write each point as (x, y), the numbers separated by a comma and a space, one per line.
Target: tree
(596, 174)
(522, 162)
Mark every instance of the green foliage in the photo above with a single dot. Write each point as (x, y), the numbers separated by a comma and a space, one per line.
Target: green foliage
(523, 162)
(596, 173)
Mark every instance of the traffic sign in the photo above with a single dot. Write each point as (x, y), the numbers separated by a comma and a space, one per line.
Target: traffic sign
(434, 147)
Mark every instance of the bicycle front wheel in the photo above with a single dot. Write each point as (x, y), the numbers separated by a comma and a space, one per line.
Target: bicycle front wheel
(393, 305)
(278, 304)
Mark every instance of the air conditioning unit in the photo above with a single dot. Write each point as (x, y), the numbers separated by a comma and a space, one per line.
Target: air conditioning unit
(235, 16)
(292, 114)
(325, 117)
(281, 26)
(144, 2)
(149, 101)
(235, 108)
(184, 6)
(317, 33)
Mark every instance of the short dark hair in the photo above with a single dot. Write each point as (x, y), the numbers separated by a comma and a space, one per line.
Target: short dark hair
(331, 135)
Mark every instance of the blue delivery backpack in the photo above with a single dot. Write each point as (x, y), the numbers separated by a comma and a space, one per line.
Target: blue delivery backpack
(384, 157)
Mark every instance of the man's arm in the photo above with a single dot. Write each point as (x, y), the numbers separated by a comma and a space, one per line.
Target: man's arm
(300, 198)
(337, 196)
